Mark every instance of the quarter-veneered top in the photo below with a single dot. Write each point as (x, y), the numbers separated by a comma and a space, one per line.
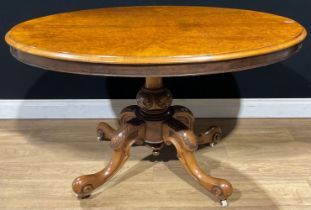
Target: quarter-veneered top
(155, 35)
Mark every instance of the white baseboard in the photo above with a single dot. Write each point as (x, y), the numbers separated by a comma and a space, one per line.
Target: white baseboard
(211, 108)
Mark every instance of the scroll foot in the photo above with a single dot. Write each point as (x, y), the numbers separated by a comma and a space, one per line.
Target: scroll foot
(211, 137)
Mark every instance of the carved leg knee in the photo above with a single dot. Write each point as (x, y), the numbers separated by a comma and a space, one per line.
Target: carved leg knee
(184, 115)
(128, 113)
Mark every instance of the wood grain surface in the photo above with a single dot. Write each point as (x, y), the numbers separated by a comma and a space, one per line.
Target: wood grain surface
(155, 35)
(267, 160)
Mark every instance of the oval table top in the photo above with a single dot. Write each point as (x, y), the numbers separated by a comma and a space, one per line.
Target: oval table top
(155, 40)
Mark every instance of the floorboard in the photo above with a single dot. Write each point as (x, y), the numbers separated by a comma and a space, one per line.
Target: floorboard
(268, 162)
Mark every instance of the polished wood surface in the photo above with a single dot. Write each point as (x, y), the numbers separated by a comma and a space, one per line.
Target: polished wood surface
(267, 161)
(185, 142)
(153, 82)
(155, 35)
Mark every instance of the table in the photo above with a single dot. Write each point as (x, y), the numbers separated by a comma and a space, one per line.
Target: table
(155, 42)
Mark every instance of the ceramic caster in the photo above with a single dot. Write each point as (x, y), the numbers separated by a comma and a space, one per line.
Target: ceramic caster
(224, 203)
(100, 136)
(83, 197)
(213, 144)
(156, 153)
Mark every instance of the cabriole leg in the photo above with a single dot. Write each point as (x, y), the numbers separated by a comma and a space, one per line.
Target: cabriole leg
(121, 143)
(185, 143)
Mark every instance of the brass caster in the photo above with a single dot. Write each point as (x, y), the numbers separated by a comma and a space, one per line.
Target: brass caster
(224, 203)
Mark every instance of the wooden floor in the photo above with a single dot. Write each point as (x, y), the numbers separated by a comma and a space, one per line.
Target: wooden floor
(267, 161)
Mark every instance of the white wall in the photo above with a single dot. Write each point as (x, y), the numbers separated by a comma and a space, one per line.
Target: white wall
(213, 108)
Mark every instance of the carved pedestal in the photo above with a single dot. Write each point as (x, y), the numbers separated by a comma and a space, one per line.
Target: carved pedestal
(155, 122)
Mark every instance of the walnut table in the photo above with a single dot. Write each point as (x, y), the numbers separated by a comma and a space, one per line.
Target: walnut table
(155, 42)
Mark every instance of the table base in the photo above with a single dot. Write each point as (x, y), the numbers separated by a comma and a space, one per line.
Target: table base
(156, 123)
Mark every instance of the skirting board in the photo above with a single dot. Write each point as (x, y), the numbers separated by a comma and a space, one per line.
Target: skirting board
(209, 108)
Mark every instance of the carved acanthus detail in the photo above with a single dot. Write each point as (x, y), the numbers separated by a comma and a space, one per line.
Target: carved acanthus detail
(129, 130)
(150, 100)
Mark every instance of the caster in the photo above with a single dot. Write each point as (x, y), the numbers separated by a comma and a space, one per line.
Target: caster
(156, 153)
(100, 136)
(224, 203)
(156, 148)
(83, 197)
(212, 144)
(104, 132)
